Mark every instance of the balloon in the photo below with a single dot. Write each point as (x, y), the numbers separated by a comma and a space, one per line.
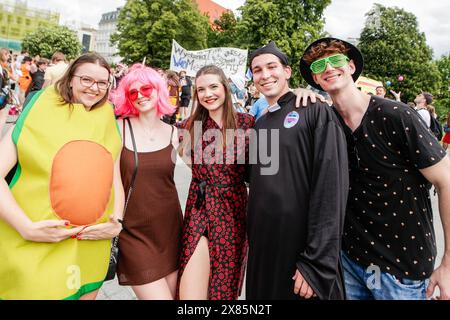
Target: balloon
(388, 83)
(401, 78)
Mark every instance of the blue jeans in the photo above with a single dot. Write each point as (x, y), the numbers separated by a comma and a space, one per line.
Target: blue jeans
(371, 284)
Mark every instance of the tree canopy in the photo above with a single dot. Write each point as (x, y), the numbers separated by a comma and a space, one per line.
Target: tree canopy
(393, 46)
(293, 25)
(223, 32)
(46, 40)
(146, 29)
(442, 97)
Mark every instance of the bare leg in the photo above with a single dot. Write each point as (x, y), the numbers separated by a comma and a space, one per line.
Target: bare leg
(195, 279)
(162, 289)
(171, 280)
(90, 296)
(445, 145)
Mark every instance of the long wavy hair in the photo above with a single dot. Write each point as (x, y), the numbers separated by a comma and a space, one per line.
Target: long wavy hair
(145, 75)
(63, 87)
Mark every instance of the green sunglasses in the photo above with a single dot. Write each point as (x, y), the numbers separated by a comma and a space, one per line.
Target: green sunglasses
(336, 61)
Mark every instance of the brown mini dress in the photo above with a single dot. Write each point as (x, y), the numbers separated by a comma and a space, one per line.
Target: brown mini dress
(149, 243)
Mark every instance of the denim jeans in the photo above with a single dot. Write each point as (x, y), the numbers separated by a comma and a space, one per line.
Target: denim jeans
(368, 284)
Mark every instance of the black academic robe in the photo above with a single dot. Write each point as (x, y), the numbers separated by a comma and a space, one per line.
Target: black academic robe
(296, 214)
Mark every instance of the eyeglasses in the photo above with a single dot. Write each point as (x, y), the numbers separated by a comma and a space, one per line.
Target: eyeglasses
(146, 91)
(336, 61)
(88, 82)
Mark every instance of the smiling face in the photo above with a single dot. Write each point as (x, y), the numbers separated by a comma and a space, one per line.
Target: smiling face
(335, 79)
(146, 97)
(89, 96)
(210, 91)
(380, 92)
(270, 76)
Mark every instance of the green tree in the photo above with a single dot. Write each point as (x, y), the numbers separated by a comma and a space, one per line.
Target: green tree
(293, 25)
(392, 46)
(223, 33)
(146, 29)
(442, 97)
(46, 40)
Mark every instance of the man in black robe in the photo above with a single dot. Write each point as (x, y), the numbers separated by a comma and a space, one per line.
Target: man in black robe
(297, 200)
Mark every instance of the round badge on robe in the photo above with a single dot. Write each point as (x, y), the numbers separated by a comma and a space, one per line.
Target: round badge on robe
(291, 119)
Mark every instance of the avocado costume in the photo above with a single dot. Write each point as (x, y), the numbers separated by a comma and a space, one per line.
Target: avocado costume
(65, 170)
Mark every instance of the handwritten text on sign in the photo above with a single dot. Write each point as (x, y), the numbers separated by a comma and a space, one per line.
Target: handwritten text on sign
(232, 61)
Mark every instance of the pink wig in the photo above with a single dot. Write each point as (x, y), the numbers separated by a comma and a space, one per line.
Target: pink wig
(144, 75)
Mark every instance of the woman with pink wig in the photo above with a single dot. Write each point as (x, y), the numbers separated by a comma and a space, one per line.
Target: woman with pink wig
(150, 239)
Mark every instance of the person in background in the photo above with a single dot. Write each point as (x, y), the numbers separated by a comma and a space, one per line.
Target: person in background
(119, 72)
(25, 78)
(380, 91)
(259, 107)
(186, 93)
(37, 78)
(56, 70)
(446, 139)
(173, 85)
(422, 101)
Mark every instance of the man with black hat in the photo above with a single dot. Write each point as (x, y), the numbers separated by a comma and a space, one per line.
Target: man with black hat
(296, 206)
(389, 245)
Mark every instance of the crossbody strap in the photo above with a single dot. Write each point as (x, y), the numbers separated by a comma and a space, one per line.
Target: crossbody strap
(133, 177)
(136, 162)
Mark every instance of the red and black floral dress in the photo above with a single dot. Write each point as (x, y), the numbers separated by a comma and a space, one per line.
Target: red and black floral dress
(216, 208)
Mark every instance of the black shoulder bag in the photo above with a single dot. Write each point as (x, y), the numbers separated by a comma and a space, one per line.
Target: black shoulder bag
(114, 256)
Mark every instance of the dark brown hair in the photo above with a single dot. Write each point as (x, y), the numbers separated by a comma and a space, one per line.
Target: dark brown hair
(201, 113)
(325, 48)
(63, 86)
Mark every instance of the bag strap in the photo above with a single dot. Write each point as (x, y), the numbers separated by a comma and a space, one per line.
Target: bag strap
(133, 177)
(136, 162)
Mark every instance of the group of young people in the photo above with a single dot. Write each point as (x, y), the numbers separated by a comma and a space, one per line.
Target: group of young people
(333, 192)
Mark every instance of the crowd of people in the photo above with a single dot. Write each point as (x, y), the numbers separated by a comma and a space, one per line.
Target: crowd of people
(307, 197)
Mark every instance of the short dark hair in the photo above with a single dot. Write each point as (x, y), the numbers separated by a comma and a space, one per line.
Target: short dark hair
(428, 97)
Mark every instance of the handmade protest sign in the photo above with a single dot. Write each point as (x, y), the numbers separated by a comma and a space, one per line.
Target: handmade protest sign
(233, 61)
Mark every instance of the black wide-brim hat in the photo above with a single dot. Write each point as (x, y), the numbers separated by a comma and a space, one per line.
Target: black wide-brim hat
(353, 54)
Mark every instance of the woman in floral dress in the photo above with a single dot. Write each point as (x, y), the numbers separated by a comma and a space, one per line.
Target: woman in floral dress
(214, 243)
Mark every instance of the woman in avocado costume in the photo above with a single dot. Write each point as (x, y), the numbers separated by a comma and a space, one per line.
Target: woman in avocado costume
(60, 211)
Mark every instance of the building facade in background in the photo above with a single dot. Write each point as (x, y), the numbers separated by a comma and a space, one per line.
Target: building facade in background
(106, 27)
(87, 34)
(17, 19)
(210, 8)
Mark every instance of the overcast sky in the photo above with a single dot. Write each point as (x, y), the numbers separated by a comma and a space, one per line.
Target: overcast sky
(344, 18)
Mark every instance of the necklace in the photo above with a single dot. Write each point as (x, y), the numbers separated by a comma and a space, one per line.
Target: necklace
(152, 133)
